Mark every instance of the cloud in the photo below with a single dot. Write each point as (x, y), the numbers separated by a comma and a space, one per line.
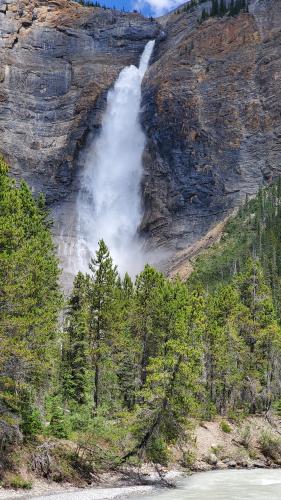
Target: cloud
(157, 7)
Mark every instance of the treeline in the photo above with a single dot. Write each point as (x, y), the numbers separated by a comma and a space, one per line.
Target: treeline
(253, 233)
(134, 360)
(90, 3)
(218, 8)
(132, 353)
(30, 302)
(190, 6)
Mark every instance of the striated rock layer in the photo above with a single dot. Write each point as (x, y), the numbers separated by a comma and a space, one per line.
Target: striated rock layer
(57, 59)
(212, 116)
(211, 106)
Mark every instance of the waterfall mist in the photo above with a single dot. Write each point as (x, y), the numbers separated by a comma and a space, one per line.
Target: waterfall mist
(109, 202)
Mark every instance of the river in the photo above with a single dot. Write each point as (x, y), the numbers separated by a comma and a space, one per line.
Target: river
(258, 484)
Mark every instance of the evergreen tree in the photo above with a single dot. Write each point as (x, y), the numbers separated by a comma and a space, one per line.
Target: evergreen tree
(31, 419)
(232, 8)
(102, 314)
(75, 357)
(127, 348)
(224, 349)
(168, 395)
(204, 14)
(222, 8)
(215, 8)
(29, 297)
(58, 427)
(146, 318)
(262, 336)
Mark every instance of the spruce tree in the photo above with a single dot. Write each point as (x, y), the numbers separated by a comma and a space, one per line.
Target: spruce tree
(222, 8)
(102, 314)
(30, 297)
(75, 354)
(262, 335)
(168, 395)
(223, 349)
(215, 8)
(126, 345)
(147, 314)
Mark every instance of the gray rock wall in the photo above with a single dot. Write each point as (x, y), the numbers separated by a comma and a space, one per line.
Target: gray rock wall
(212, 118)
(56, 59)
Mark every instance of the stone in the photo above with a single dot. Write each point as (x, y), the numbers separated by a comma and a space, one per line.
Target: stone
(259, 464)
(58, 60)
(212, 459)
(212, 119)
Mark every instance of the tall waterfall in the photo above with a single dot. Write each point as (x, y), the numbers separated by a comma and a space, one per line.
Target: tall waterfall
(109, 204)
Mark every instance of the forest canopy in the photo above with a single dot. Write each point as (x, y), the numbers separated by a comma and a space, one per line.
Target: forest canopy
(134, 360)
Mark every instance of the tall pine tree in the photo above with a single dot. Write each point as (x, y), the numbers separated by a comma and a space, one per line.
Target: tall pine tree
(102, 295)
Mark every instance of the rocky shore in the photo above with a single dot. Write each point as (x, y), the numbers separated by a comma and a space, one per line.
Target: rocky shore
(253, 442)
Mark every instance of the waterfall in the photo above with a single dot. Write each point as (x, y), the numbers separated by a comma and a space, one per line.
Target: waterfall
(109, 203)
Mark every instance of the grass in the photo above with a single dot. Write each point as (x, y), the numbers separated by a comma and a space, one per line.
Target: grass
(270, 445)
(225, 427)
(188, 458)
(17, 482)
(245, 437)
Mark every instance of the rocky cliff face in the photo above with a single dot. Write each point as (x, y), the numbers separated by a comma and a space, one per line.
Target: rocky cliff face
(211, 106)
(212, 117)
(57, 60)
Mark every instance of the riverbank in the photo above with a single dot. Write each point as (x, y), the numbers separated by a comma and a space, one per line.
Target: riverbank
(48, 466)
(109, 486)
(253, 442)
(53, 491)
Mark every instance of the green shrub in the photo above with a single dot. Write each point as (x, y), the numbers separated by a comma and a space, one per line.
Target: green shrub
(225, 427)
(277, 407)
(217, 450)
(81, 418)
(16, 481)
(253, 454)
(208, 412)
(188, 458)
(237, 416)
(234, 416)
(158, 451)
(270, 445)
(58, 425)
(245, 437)
(31, 424)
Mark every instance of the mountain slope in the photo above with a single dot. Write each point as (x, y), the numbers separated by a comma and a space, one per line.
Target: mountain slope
(254, 232)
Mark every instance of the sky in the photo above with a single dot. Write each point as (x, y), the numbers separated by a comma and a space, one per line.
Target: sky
(147, 7)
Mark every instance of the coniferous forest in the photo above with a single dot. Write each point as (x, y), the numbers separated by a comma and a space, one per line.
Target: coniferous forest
(121, 366)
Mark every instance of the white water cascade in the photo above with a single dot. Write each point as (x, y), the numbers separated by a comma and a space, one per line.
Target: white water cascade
(109, 204)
